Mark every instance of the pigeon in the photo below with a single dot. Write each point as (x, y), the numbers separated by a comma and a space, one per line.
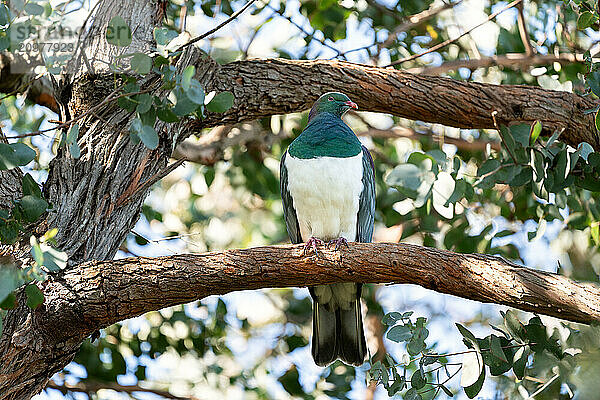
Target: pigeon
(328, 191)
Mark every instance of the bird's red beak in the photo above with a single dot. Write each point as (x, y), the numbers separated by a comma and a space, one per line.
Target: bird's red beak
(351, 104)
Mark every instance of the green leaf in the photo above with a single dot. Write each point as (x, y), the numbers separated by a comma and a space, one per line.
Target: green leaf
(390, 318)
(4, 15)
(9, 231)
(446, 391)
(15, 154)
(183, 106)
(33, 8)
(418, 381)
(221, 102)
(195, 92)
(513, 325)
(118, 32)
(126, 103)
(166, 115)
(585, 20)
(595, 232)
(149, 137)
(597, 120)
(30, 186)
(519, 362)
(406, 178)
(593, 80)
(144, 103)
(496, 348)
(136, 126)
(521, 133)
(9, 302)
(562, 166)
(33, 207)
(467, 334)
(291, 381)
(54, 260)
(488, 166)
(412, 394)
(538, 164)
(10, 279)
(474, 389)
(536, 129)
(415, 346)
(552, 139)
(74, 150)
(163, 36)
(507, 139)
(186, 77)
(35, 297)
(399, 333)
(141, 63)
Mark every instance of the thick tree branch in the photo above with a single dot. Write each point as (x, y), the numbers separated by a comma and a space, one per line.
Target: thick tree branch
(114, 290)
(96, 294)
(267, 87)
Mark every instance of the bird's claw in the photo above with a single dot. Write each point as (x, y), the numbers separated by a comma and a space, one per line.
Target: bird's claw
(338, 243)
(311, 244)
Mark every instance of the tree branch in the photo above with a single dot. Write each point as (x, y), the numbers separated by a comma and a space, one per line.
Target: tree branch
(39, 90)
(276, 86)
(415, 20)
(516, 60)
(96, 294)
(91, 387)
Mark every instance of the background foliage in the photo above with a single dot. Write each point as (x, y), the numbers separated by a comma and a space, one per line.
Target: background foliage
(515, 192)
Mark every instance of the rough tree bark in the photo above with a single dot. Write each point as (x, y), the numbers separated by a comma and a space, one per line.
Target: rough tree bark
(96, 294)
(267, 87)
(97, 198)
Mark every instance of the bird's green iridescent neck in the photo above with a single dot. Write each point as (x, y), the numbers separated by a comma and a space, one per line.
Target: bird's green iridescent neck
(325, 136)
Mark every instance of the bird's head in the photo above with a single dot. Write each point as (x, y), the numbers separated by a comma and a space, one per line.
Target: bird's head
(332, 102)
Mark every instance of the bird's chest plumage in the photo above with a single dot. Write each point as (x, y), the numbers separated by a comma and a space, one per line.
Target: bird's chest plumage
(326, 193)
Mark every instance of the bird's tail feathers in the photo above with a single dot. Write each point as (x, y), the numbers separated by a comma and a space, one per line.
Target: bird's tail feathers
(324, 340)
(338, 334)
(351, 336)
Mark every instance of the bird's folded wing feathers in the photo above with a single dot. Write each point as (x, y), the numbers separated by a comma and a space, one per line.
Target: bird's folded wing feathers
(289, 212)
(366, 206)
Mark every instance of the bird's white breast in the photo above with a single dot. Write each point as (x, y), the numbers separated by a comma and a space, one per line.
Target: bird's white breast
(326, 193)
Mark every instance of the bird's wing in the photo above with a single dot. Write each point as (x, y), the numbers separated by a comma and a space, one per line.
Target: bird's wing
(366, 206)
(289, 212)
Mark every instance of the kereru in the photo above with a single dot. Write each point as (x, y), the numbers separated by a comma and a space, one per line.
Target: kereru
(328, 193)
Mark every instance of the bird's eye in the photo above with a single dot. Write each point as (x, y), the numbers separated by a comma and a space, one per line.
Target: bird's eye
(330, 98)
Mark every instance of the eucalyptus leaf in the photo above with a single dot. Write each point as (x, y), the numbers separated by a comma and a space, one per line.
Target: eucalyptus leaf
(221, 102)
(118, 32)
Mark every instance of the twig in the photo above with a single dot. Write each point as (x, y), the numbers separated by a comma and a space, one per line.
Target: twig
(415, 20)
(222, 24)
(447, 42)
(93, 387)
(85, 114)
(503, 138)
(291, 21)
(523, 32)
(514, 60)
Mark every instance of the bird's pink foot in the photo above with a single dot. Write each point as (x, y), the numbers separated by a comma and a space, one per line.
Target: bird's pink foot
(338, 243)
(312, 243)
